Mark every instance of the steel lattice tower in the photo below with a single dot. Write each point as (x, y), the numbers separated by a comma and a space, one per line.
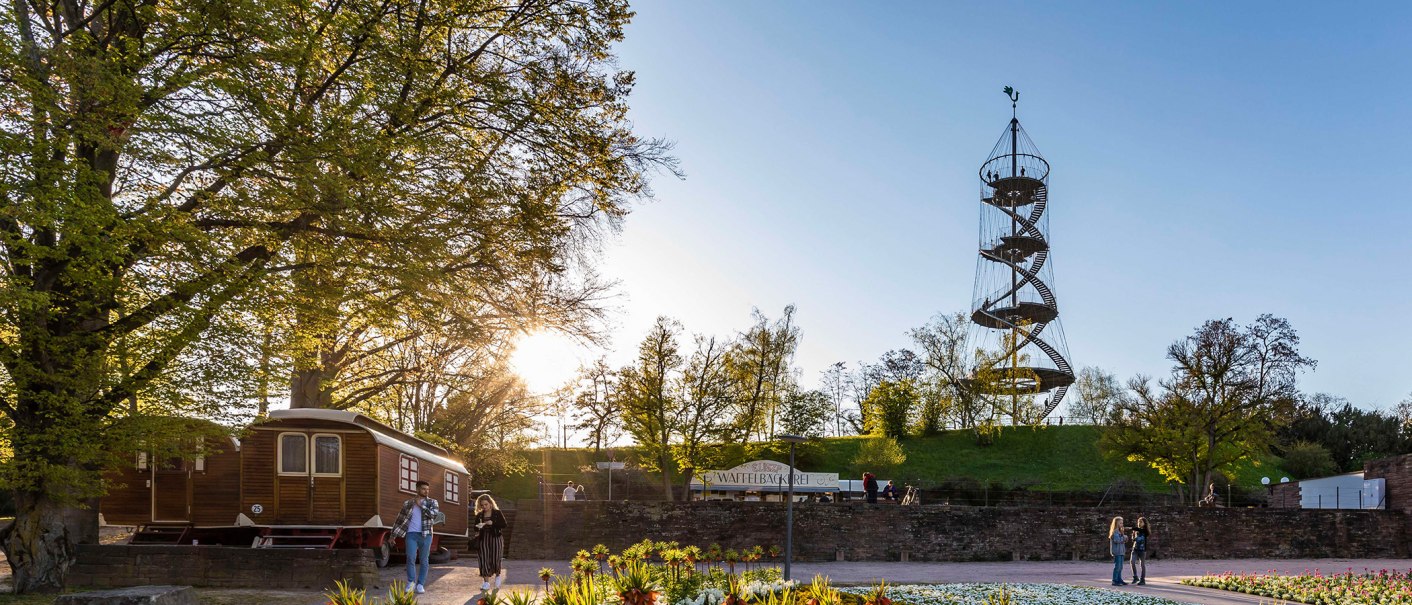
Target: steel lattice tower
(1015, 313)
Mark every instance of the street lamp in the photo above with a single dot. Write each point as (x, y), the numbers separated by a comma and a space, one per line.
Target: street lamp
(789, 506)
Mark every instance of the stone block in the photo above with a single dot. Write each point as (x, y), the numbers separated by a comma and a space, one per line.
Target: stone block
(138, 595)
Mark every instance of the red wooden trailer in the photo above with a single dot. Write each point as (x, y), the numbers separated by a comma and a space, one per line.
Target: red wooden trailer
(302, 478)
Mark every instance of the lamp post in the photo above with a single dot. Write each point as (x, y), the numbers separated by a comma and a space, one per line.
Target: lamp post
(789, 505)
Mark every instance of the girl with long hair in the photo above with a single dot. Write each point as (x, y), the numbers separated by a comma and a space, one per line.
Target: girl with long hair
(1117, 545)
(490, 522)
(1141, 534)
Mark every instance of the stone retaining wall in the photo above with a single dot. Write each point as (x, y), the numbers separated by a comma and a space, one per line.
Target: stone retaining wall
(120, 565)
(862, 532)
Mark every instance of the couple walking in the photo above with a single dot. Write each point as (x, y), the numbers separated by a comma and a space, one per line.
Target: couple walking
(1131, 541)
(420, 514)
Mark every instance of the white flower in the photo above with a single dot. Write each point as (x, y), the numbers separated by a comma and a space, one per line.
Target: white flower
(1029, 594)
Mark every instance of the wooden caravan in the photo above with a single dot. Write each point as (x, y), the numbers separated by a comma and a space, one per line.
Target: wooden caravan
(307, 469)
(303, 478)
(202, 490)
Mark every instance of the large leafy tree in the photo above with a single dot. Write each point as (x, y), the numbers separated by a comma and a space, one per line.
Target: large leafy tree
(164, 163)
(651, 404)
(1230, 389)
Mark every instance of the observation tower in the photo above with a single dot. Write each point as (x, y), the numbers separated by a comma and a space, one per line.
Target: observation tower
(1024, 357)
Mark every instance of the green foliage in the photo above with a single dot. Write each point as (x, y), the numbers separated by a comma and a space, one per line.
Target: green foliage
(821, 592)
(1351, 435)
(344, 594)
(201, 200)
(880, 455)
(519, 598)
(1230, 389)
(888, 409)
(1305, 460)
(400, 593)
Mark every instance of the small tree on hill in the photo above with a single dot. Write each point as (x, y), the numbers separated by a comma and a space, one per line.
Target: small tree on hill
(879, 455)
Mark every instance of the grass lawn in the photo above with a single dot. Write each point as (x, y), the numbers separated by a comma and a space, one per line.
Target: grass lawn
(1051, 458)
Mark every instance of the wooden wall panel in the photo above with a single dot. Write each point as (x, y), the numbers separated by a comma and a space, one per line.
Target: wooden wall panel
(216, 491)
(257, 476)
(129, 498)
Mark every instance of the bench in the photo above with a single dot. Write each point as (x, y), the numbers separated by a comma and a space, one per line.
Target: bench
(138, 595)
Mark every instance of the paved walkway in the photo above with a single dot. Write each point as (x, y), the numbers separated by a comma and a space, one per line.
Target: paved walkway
(456, 583)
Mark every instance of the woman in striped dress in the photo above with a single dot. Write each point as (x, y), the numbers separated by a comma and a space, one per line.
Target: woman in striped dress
(490, 522)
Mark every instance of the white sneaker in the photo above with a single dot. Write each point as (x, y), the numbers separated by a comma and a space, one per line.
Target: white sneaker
(485, 585)
(497, 582)
(421, 589)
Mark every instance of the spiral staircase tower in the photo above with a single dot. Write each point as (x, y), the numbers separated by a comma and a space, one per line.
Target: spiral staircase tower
(1014, 312)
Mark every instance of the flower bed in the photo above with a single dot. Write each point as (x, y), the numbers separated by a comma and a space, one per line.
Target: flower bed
(1020, 594)
(1383, 587)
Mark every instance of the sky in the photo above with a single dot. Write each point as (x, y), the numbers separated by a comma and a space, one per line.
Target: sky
(1209, 160)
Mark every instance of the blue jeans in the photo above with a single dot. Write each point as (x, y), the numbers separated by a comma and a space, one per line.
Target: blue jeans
(418, 546)
(1118, 569)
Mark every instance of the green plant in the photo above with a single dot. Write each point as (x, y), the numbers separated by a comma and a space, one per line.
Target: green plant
(731, 557)
(546, 574)
(1001, 597)
(635, 585)
(820, 592)
(878, 595)
(399, 593)
(346, 594)
(520, 598)
(491, 598)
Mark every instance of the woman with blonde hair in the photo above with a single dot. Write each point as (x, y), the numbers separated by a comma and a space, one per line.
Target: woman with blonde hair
(1117, 545)
(489, 523)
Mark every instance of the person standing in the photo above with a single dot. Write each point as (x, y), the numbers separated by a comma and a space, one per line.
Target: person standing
(414, 524)
(1140, 535)
(870, 487)
(1117, 545)
(571, 492)
(490, 522)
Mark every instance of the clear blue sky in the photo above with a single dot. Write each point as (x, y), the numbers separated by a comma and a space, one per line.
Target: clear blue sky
(1209, 160)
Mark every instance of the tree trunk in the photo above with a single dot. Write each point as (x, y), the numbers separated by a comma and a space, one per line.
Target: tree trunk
(40, 543)
(306, 389)
(666, 459)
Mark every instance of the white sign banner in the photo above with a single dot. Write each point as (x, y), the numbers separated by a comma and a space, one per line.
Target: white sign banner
(765, 474)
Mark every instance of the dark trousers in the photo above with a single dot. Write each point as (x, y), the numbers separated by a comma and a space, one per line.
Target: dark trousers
(872, 496)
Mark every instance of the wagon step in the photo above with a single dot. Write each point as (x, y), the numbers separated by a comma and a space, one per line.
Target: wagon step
(295, 541)
(160, 534)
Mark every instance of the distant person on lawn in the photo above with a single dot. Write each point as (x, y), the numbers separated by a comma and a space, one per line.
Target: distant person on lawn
(1117, 545)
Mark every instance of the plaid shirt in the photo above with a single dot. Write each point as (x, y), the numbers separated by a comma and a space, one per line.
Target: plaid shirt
(431, 514)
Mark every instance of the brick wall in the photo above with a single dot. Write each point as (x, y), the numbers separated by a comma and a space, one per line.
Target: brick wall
(556, 530)
(1285, 495)
(1397, 473)
(119, 565)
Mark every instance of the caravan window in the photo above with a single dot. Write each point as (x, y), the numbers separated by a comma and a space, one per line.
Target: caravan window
(328, 455)
(453, 487)
(407, 474)
(293, 454)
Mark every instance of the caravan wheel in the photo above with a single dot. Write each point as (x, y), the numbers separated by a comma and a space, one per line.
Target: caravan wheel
(440, 555)
(382, 555)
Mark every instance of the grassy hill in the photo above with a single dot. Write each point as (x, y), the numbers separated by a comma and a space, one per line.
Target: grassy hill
(1051, 458)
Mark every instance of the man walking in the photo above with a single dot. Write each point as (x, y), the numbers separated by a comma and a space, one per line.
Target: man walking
(571, 492)
(414, 525)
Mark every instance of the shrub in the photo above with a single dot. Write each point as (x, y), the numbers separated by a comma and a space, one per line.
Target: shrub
(1305, 460)
(879, 455)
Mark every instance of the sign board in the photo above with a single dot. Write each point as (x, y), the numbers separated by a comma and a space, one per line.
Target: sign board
(617, 466)
(765, 475)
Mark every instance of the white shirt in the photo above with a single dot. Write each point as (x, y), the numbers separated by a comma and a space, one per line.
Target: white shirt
(570, 493)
